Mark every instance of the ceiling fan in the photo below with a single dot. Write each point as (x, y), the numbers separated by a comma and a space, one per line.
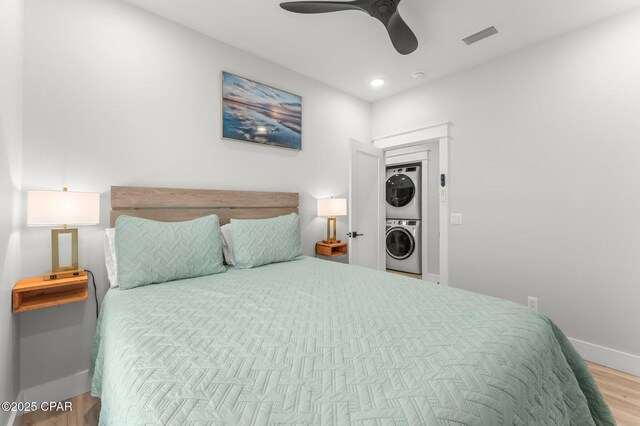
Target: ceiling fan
(385, 11)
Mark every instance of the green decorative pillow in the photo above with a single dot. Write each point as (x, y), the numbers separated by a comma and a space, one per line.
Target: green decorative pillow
(263, 241)
(151, 252)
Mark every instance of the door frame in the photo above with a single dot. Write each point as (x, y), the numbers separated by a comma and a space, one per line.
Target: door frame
(421, 137)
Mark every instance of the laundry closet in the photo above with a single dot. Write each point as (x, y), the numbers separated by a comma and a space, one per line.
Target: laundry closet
(412, 212)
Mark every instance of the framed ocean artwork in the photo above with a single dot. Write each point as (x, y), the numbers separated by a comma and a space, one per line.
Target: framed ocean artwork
(255, 112)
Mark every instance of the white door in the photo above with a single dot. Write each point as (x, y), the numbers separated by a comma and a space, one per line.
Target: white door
(366, 206)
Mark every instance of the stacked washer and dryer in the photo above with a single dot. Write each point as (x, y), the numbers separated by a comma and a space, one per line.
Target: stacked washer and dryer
(404, 219)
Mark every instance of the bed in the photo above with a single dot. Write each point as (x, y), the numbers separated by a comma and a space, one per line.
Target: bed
(316, 342)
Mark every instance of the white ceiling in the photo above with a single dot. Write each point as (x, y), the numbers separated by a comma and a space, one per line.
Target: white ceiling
(346, 49)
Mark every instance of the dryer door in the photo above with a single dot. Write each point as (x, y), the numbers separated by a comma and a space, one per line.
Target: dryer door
(400, 190)
(400, 243)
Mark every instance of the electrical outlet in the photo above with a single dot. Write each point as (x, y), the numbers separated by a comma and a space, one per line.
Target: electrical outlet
(456, 218)
(532, 303)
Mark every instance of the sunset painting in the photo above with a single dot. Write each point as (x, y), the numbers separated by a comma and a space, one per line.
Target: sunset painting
(254, 112)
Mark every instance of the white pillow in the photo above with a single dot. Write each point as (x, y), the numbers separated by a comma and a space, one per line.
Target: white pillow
(110, 260)
(227, 244)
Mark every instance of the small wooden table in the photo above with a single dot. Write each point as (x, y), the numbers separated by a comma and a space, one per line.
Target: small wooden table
(36, 293)
(337, 252)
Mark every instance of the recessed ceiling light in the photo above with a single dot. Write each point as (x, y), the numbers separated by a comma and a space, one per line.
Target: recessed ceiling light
(377, 82)
(418, 75)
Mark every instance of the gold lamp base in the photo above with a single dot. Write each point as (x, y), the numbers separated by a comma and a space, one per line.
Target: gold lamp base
(331, 233)
(56, 268)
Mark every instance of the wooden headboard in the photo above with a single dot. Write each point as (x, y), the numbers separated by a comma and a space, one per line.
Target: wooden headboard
(172, 205)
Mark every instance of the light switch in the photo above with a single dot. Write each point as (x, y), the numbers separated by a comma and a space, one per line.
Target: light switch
(456, 218)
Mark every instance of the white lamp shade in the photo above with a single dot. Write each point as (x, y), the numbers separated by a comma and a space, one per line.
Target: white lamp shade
(54, 208)
(332, 207)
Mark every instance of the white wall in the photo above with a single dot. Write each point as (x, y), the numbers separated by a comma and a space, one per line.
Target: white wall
(117, 96)
(11, 30)
(545, 168)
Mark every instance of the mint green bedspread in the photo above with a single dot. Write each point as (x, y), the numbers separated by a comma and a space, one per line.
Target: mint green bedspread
(316, 342)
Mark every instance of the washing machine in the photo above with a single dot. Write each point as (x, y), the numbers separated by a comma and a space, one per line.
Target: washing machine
(403, 193)
(404, 246)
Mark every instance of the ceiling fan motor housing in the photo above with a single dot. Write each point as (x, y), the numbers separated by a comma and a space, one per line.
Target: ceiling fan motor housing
(383, 8)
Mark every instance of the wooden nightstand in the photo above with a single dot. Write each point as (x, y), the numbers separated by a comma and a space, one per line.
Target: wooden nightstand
(36, 293)
(338, 252)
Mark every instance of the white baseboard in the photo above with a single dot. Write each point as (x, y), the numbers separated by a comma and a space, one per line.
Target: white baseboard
(14, 417)
(608, 357)
(431, 277)
(59, 390)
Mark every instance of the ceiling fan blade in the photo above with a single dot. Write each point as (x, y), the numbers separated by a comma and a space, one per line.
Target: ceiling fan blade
(320, 6)
(403, 39)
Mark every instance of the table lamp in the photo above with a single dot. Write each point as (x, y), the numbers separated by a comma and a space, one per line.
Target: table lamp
(62, 208)
(332, 207)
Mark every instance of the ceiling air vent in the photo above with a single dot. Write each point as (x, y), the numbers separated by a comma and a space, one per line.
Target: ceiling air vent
(480, 35)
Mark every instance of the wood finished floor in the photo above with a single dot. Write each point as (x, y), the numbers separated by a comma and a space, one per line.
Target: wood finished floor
(620, 390)
(86, 411)
(406, 274)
